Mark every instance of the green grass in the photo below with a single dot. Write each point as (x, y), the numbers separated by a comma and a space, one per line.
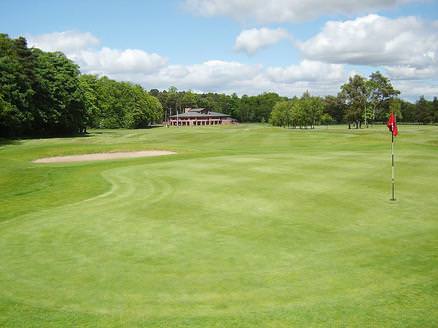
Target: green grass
(247, 226)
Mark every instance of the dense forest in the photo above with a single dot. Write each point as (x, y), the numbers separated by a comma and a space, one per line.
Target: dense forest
(44, 93)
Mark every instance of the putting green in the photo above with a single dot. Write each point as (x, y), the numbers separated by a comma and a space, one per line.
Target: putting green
(246, 226)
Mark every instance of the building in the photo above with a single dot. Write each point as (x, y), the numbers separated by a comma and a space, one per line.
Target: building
(199, 116)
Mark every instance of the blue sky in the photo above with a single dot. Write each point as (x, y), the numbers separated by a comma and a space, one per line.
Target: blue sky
(239, 45)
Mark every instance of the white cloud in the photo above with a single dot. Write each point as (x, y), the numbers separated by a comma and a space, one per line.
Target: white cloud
(228, 77)
(307, 70)
(81, 47)
(285, 10)
(152, 71)
(108, 61)
(412, 89)
(254, 39)
(375, 40)
(208, 76)
(412, 73)
(67, 42)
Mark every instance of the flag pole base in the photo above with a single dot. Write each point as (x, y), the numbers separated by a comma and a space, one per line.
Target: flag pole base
(393, 199)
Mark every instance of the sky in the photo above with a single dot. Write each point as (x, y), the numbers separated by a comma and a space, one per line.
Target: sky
(242, 46)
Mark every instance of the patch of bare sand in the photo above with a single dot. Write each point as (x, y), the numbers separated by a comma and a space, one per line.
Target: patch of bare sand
(103, 156)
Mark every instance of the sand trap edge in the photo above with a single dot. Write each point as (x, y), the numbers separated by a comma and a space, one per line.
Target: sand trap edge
(103, 156)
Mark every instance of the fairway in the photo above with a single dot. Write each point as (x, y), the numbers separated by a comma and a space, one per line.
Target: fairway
(245, 226)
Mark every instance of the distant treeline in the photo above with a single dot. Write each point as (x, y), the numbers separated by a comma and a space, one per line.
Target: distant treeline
(360, 101)
(43, 93)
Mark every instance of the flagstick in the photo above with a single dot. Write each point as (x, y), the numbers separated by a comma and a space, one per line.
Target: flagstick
(392, 168)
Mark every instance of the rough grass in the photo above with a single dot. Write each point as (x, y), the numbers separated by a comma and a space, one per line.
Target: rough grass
(246, 226)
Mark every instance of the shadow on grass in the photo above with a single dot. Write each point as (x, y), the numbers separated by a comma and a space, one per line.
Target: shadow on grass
(5, 142)
(17, 140)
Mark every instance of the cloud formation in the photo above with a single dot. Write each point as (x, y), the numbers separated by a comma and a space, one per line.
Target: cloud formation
(67, 41)
(153, 71)
(250, 41)
(81, 47)
(109, 61)
(280, 11)
(307, 70)
(412, 89)
(320, 77)
(412, 73)
(228, 77)
(375, 40)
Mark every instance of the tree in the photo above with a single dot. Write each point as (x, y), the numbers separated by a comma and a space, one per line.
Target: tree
(154, 92)
(143, 110)
(173, 103)
(16, 89)
(354, 95)
(189, 100)
(281, 114)
(395, 107)
(39, 91)
(297, 115)
(313, 108)
(334, 107)
(246, 109)
(264, 105)
(407, 110)
(58, 96)
(380, 93)
(424, 110)
(326, 119)
(88, 86)
(435, 109)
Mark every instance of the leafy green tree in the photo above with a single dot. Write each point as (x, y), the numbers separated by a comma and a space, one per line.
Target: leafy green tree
(58, 98)
(395, 107)
(173, 103)
(326, 119)
(298, 115)
(264, 105)
(88, 86)
(281, 114)
(354, 96)
(39, 91)
(144, 109)
(313, 108)
(334, 107)
(189, 100)
(380, 93)
(407, 110)
(16, 89)
(246, 109)
(435, 110)
(154, 92)
(423, 111)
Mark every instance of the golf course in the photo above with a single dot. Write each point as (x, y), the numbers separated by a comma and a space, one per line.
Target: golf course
(235, 226)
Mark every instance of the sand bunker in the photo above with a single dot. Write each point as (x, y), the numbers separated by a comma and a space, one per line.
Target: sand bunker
(103, 156)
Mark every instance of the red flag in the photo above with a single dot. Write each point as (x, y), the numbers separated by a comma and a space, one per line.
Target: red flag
(392, 125)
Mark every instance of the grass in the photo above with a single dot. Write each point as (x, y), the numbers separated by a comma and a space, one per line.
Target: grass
(246, 226)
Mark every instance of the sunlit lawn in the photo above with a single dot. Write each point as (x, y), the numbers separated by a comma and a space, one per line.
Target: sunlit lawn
(245, 226)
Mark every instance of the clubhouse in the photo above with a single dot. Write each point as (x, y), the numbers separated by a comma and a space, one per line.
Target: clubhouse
(199, 116)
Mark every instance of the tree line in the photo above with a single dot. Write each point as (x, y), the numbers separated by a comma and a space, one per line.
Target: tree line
(360, 102)
(244, 109)
(44, 93)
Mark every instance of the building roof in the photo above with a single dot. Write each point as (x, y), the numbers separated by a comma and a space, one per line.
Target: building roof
(195, 114)
(198, 110)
